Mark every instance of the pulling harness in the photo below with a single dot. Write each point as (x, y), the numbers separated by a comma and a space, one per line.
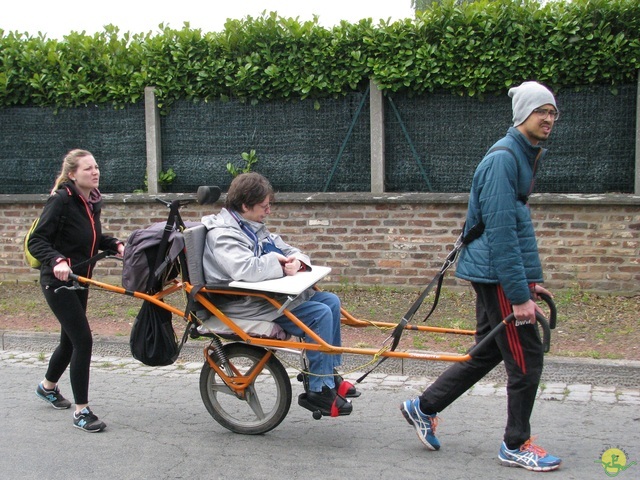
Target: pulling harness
(463, 240)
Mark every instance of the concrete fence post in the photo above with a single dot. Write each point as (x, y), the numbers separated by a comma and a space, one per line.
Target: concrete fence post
(152, 130)
(377, 138)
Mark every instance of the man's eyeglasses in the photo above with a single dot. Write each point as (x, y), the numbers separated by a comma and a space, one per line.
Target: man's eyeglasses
(546, 112)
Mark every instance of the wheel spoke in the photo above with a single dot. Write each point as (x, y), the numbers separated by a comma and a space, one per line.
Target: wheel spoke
(222, 388)
(254, 402)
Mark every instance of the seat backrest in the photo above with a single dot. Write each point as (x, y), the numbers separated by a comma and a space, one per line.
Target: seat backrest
(194, 241)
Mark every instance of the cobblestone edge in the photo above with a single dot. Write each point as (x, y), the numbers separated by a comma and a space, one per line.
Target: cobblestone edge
(556, 391)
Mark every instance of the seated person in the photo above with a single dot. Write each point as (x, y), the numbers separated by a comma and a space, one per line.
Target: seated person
(239, 247)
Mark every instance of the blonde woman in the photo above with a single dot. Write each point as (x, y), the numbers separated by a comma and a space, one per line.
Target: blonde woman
(69, 233)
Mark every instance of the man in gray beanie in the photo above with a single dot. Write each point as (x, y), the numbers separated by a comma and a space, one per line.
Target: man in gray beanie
(528, 97)
(504, 269)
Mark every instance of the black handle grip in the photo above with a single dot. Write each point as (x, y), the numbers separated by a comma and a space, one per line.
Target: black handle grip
(546, 331)
(553, 312)
(542, 321)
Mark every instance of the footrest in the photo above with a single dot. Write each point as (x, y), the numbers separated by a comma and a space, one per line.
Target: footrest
(319, 412)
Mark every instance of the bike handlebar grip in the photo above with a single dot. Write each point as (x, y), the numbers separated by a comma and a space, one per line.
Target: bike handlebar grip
(73, 276)
(553, 312)
(544, 323)
(208, 194)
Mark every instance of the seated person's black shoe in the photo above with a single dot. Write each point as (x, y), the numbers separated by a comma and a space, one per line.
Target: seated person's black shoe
(351, 391)
(328, 401)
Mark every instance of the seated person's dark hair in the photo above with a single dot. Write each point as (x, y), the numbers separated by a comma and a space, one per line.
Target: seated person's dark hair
(248, 189)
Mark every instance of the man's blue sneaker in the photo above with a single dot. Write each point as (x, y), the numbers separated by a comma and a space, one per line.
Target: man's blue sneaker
(425, 425)
(529, 456)
(53, 397)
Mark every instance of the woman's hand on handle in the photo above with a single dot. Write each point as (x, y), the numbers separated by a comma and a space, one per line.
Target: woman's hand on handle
(61, 271)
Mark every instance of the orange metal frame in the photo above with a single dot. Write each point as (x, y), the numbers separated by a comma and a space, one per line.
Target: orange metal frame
(317, 344)
(238, 382)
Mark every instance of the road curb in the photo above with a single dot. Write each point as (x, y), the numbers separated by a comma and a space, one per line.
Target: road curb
(619, 373)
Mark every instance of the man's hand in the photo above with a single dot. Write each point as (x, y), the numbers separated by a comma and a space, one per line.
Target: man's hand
(537, 290)
(526, 312)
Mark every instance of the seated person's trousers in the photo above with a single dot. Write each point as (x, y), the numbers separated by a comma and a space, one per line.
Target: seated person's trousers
(321, 313)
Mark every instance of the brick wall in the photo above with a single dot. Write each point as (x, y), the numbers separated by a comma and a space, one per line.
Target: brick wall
(591, 241)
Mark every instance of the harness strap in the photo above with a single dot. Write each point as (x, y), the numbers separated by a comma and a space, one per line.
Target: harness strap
(187, 314)
(191, 302)
(173, 221)
(523, 198)
(462, 241)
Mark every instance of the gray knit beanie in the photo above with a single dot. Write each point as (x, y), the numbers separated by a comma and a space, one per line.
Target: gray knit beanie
(526, 98)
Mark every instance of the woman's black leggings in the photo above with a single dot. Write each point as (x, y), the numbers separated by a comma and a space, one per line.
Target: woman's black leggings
(76, 342)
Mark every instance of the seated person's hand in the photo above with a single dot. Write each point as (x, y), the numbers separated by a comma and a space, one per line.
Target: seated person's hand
(291, 266)
(285, 263)
(281, 258)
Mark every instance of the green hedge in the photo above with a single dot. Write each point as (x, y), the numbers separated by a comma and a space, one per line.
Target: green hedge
(470, 49)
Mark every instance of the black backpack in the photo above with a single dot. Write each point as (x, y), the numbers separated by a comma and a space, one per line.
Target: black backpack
(144, 267)
(150, 261)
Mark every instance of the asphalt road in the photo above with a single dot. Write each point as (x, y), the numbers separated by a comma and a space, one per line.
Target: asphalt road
(158, 428)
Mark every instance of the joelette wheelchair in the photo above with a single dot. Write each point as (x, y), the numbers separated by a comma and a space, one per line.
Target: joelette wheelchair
(244, 384)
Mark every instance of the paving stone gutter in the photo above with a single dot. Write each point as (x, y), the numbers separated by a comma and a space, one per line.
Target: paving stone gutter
(619, 373)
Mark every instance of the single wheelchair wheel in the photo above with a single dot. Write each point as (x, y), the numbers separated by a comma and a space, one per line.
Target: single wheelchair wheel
(266, 401)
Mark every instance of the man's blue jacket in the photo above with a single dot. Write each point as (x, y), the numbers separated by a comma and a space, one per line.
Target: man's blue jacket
(507, 251)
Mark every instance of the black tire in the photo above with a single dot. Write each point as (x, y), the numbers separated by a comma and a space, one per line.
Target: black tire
(267, 400)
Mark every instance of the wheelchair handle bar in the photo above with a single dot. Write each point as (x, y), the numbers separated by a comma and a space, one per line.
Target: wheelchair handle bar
(546, 325)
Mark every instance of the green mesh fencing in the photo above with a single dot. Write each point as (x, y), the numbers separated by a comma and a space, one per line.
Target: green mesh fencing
(296, 144)
(433, 143)
(33, 142)
(592, 148)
